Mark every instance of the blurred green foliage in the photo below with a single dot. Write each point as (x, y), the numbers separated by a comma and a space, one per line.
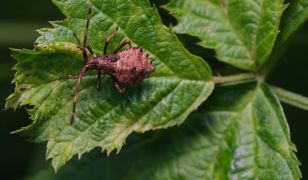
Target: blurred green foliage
(20, 19)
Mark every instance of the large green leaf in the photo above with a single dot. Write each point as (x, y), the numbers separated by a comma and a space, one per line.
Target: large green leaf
(294, 16)
(240, 133)
(243, 135)
(242, 33)
(105, 118)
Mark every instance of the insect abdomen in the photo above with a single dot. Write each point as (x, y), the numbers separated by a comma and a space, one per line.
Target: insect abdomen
(133, 65)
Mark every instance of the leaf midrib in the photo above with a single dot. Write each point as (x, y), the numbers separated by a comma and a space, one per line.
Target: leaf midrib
(286, 137)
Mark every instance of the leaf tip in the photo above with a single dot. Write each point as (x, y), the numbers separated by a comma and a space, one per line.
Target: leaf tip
(79, 156)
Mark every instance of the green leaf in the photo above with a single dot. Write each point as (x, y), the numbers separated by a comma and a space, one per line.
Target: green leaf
(294, 16)
(180, 84)
(242, 33)
(242, 135)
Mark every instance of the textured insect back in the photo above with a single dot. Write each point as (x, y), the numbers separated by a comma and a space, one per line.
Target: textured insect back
(133, 66)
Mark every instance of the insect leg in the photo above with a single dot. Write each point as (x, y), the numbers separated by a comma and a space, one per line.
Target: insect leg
(117, 85)
(75, 99)
(109, 39)
(123, 43)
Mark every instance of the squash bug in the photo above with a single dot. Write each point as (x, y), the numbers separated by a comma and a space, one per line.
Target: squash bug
(126, 67)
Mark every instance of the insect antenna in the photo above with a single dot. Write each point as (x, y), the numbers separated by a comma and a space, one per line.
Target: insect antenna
(75, 99)
(85, 60)
(85, 36)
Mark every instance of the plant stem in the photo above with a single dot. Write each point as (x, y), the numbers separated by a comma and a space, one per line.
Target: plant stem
(291, 98)
(233, 78)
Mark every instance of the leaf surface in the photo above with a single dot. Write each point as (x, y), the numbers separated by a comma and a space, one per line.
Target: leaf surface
(240, 133)
(242, 33)
(105, 118)
(243, 134)
(294, 16)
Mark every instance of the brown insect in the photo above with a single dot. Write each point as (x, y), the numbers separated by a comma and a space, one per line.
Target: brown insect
(126, 67)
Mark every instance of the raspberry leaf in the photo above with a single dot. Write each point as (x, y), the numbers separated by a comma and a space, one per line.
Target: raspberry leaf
(242, 33)
(294, 16)
(105, 118)
(239, 133)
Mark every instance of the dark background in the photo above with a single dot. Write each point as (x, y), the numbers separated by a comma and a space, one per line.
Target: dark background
(20, 19)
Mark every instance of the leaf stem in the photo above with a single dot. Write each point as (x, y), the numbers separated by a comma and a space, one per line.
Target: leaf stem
(233, 78)
(291, 98)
